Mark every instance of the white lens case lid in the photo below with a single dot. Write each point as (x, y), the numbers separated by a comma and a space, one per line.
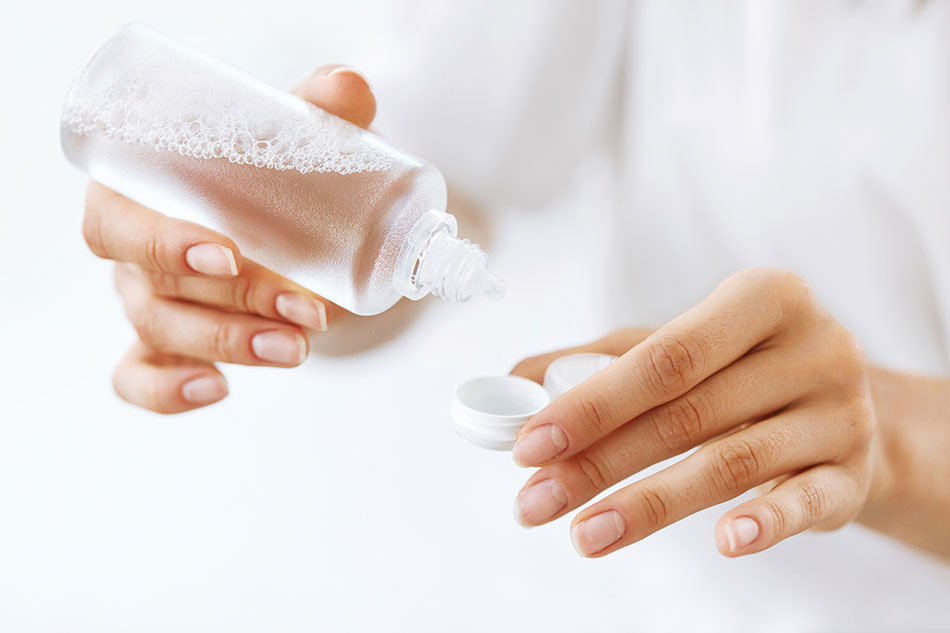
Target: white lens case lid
(489, 411)
(497, 403)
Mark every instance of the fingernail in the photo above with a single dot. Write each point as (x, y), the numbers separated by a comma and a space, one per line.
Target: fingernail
(339, 70)
(302, 310)
(204, 390)
(211, 259)
(741, 533)
(599, 531)
(540, 502)
(539, 445)
(278, 346)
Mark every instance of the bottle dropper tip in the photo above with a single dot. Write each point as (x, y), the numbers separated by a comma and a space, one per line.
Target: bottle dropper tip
(494, 288)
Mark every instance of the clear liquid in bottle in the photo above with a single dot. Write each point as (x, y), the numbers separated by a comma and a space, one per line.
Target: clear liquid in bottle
(317, 199)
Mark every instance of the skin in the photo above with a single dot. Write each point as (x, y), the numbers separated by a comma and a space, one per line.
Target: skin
(770, 390)
(191, 296)
(774, 395)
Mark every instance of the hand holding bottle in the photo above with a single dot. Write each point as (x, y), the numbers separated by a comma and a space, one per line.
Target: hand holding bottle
(191, 296)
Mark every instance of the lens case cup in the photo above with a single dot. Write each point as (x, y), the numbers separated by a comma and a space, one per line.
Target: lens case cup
(489, 411)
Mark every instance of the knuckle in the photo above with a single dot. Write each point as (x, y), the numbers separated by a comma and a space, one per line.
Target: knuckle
(814, 502)
(788, 291)
(795, 295)
(844, 369)
(595, 410)
(777, 278)
(759, 278)
(846, 345)
(682, 423)
(222, 342)
(242, 293)
(593, 470)
(674, 362)
(854, 353)
(777, 516)
(736, 466)
(860, 419)
(793, 284)
(154, 253)
(655, 506)
(751, 276)
(850, 364)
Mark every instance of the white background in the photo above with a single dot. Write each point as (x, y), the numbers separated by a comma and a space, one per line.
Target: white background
(333, 496)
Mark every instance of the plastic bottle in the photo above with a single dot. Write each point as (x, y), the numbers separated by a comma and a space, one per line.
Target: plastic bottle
(309, 195)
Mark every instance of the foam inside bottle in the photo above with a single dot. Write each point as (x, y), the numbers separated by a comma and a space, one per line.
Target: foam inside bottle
(301, 191)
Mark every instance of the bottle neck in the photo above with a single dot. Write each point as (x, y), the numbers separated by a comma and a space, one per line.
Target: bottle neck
(433, 260)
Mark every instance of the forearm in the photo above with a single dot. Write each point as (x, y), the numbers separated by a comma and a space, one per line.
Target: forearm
(910, 494)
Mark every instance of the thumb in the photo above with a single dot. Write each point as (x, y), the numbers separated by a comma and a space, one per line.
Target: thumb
(342, 91)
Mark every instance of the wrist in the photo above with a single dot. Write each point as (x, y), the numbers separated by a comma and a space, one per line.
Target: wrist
(909, 492)
(886, 452)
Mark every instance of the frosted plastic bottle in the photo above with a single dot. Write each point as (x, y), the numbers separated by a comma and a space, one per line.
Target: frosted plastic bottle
(317, 199)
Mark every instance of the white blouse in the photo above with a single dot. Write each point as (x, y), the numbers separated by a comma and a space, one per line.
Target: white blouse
(720, 135)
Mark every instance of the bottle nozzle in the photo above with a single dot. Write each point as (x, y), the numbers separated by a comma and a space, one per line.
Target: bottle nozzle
(493, 287)
(435, 260)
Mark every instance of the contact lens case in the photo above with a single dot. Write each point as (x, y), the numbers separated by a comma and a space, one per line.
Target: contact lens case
(490, 410)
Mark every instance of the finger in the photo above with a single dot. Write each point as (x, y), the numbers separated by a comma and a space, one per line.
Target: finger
(184, 329)
(342, 91)
(742, 313)
(824, 497)
(117, 228)
(256, 290)
(713, 474)
(616, 344)
(167, 384)
(770, 485)
(749, 390)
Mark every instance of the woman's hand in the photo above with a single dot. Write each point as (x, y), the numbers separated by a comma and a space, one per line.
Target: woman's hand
(191, 296)
(772, 390)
